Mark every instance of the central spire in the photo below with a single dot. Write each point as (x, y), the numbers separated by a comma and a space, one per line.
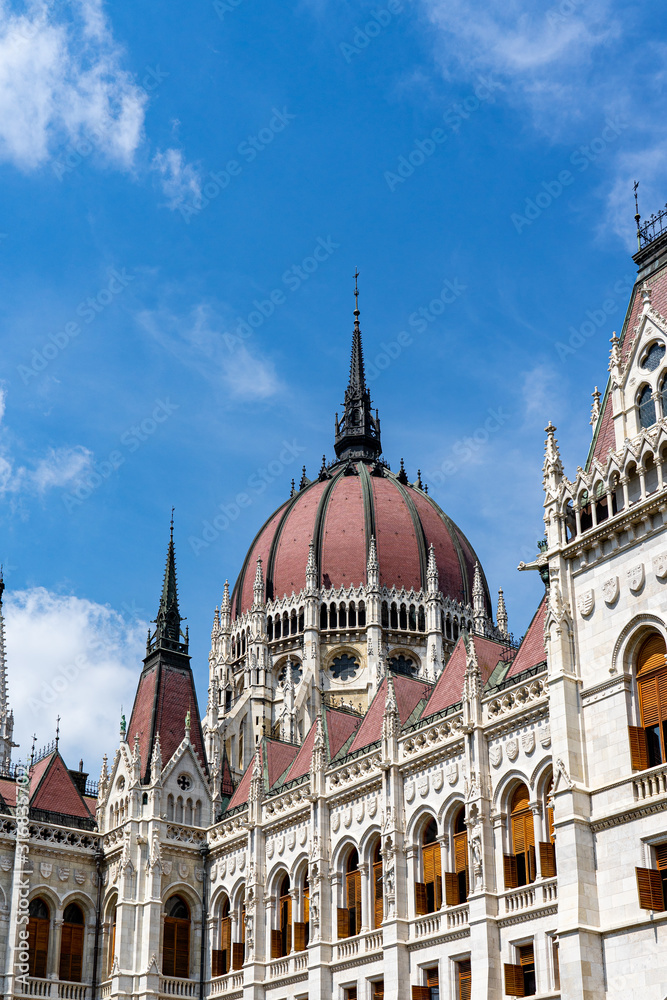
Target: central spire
(168, 622)
(358, 433)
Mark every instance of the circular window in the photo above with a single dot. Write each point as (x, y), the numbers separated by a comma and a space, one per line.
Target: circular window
(184, 781)
(296, 673)
(656, 353)
(344, 667)
(402, 665)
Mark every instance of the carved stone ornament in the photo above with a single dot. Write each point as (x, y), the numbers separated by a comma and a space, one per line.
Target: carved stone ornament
(410, 791)
(214, 871)
(545, 737)
(232, 865)
(291, 840)
(610, 589)
(586, 603)
(424, 785)
(347, 818)
(528, 741)
(303, 836)
(167, 867)
(45, 868)
(438, 781)
(223, 865)
(79, 876)
(183, 869)
(636, 578)
(496, 755)
(5, 863)
(372, 808)
(335, 822)
(660, 566)
(512, 749)
(199, 874)
(270, 848)
(452, 773)
(359, 812)
(281, 844)
(242, 860)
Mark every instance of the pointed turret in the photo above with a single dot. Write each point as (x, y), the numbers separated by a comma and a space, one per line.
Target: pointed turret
(501, 616)
(225, 608)
(319, 746)
(358, 433)
(258, 586)
(478, 603)
(553, 467)
(391, 721)
(372, 566)
(256, 778)
(156, 761)
(311, 569)
(595, 408)
(433, 583)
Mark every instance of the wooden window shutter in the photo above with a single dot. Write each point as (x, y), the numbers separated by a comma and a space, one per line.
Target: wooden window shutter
(276, 943)
(378, 902)
(76, 954)
(299, 936)
(509, 867)
(432, 979)
(649, 701)
(217, 962)
(306, 906)
(532, 867)
(343, 923)
(226, 934)
(660, 857)
(65, 949)
(182, 956)
(378, 989)
(649, 885)
(421, 903)
(547, 859)
(465, 980)
(651, 654)
(638, 748)
(518, 834)
(460, 852)
(514, 981)
(168, 947)
(421, 993)
(238, 955)
(38, 946)
(357, 901)
(288, 925)
(452, 897)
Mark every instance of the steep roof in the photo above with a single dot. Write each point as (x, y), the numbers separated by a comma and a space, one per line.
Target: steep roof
(531, 651)
(410, 695)
(449, 688)
(53, 790)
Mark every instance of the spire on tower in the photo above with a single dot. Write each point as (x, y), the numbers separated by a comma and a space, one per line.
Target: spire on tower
(258, 586)
(311, 569)
(501, 616)
(553, 467)
(358, 433)
(478, 605)
(372, 567)
(432, 579)
(168, 622)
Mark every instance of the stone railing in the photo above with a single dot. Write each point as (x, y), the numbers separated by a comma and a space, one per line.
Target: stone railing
(649, 784)
(186, 834)
(279, 968)
(179, 987)
(428, 926)
(225, 984)
(442, 921)
(55, 988)
(457, 916)
(537, 894)
(361, 944)
(105, 989)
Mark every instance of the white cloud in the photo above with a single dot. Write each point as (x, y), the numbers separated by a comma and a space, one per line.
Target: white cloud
(61, 79)
(179, 180)
(70, 657)
(204, 342)
(541, 390)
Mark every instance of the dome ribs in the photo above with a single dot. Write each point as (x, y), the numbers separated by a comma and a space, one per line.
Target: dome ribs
(238, 602)
(343, 558)
(419, 533)
(369, 507)
(318, 533)
(396, 538)
(277, 582)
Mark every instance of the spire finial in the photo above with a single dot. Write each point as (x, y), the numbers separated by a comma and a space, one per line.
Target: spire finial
(637, 215)
(169, 618)
(171, 526)
(57, 732)
(358, 433)
(356, 299)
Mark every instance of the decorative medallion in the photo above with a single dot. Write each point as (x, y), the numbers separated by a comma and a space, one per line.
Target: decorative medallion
(610, 589)
(79, 876)
(496, 754)
(359, 812)
(452, 773)
(214, 871)
(586, 602)
(183, 869)
(512, 749)
(63, 874)
(199, 874)
(303, 836)
(372, 808)
(335, 822)
(167, 867)
(528, 741)
(232, 865)
(438, 781)
(242, 863)
(113, 871)
(410, 791)
(281, 844)
(347, 818)
(545, 737)
(5, 863)
(424, 785)
(223, 863)
(660, 566)
(45, 868)
(270, 848)
(291, 840)
(636, 578)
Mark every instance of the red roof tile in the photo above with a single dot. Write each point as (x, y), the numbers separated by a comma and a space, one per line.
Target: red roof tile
(339, 728)
(303, 759)
(344, 541)
(449, 689)
(409, 693)
(289, 572)
(531, 651)
(279, 756)
(240, 796)
(54, 791)
(8, 791)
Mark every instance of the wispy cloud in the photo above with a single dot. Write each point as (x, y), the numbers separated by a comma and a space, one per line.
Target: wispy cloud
(61, 78)
(70, 657)
(179, 180)
(201, 341)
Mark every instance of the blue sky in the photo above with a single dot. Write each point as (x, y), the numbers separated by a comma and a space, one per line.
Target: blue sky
(186, 192)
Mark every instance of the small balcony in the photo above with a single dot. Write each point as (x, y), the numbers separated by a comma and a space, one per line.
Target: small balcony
(360, 944)
(179, 987)
(290, 965)
(533, 896)
(222, 985)
(56, 988)
(440, 922)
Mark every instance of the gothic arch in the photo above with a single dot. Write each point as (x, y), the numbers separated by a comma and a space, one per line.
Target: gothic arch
(81, 899)
(543, 772)
(275, 877)
(417, 823)
(630, 639)
(180, 888)
(296, 871)
(448, 810)
(505, 788)
(367, 843)
(342, 849)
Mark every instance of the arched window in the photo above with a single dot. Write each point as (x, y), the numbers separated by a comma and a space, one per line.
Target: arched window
(393, 616)
(349, 915)
(323, 617)
(457, 883)
(654, 356)
(548, 848)
(176, 947)
(352, 615)
(378, 898)
(301, 620)
(403, 617)
(385, 615)
(362, 615)
(293, 623)
(342, 616)
(269, 627)
(285, 623)
(428, 893)
(421, 619)
(648, 741)
(38, 937)
(333, 618)
(646, 405)
(221, 958)
(111, 947)
(520, 864)
(276, 628)
(71, 944)
(281, 937)
(412, 618)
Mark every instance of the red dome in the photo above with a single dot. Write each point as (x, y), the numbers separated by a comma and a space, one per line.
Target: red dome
(341, 514)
